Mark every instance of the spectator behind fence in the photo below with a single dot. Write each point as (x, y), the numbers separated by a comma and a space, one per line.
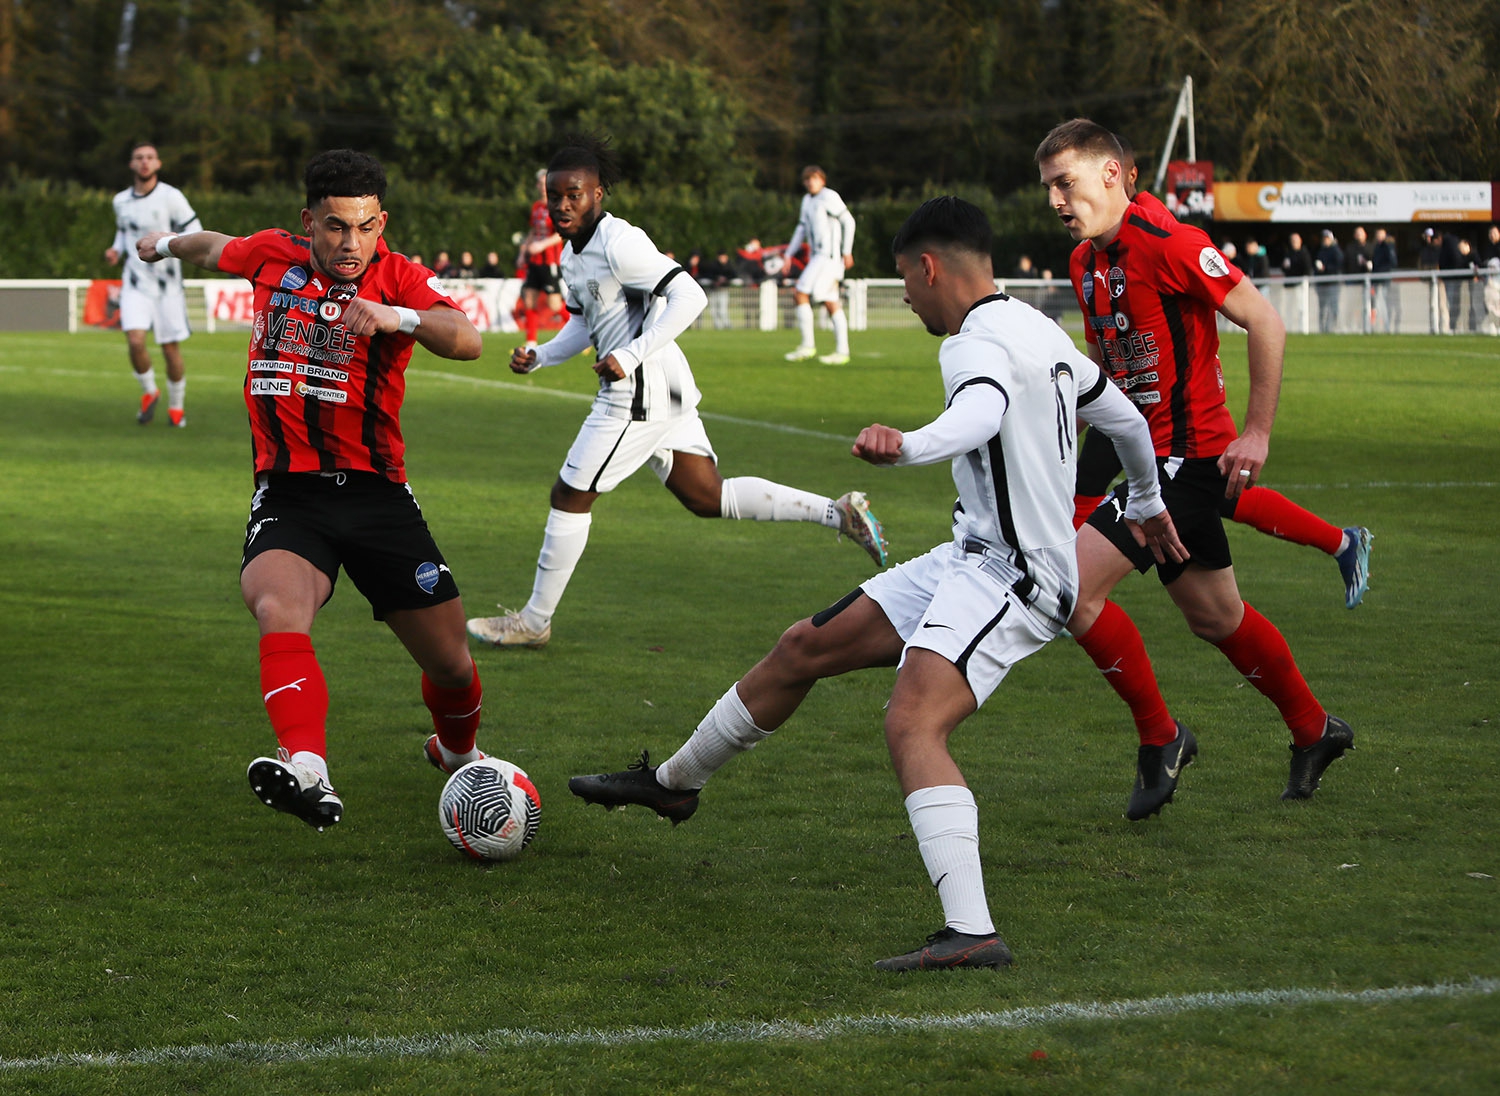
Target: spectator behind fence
(1298, 261)
(1450, 258)
(1358, 255)
(715, 275)
(464, 268)
(492, 267)
(1254, 261)
(1329, 260)
(1387, 303)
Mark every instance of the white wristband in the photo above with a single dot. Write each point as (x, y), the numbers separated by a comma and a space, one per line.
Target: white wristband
(410, 319)
(163, 246)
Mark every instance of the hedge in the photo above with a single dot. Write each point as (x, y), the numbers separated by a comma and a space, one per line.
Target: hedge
(63, 230)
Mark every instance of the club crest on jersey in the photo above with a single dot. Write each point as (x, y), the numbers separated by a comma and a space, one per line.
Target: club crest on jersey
(1116, 281)
(344, 291)
(1212, 263)
(593, 285)
(428, 575)
(294, 279)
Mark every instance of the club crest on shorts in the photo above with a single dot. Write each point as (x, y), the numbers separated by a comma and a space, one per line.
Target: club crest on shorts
(427, 576)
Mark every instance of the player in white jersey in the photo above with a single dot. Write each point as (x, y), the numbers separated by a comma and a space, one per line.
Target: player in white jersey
(152, 297)
(827, 227)
(631, 302)
(956, 619)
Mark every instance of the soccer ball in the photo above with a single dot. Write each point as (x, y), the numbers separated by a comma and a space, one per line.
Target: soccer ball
(490, 809)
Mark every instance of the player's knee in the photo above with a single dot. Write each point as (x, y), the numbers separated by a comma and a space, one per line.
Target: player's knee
(799, 652)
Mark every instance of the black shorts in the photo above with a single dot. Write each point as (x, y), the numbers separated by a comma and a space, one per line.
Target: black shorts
(1195, 499)
(360, 520)
(543, 277)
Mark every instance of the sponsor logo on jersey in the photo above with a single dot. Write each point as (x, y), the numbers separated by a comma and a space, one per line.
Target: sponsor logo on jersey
(258, 329)
(1212, 263)
(270, 386)
(317, 392)
(1088, 289)
(292, 302)
(330, 310)
(435, 284)
(266, 366)
(427, 576)
(1102, 323)
(1116, 281)
(322, 372)
(295, 278)
(1122, 322)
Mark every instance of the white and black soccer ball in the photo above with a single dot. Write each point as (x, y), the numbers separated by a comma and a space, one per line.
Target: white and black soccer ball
(490, 809)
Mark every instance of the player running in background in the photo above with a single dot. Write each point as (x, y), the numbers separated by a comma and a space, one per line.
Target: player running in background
(542, 250)
(629, 301)
(1261, 508)
(1149, 292)
(956, 619)
(337, 315)
(827, 227)
(152, 297)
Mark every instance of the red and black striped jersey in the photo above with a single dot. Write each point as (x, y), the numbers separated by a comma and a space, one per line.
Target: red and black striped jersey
(541, 228)
(1149, 303)
(322, 399)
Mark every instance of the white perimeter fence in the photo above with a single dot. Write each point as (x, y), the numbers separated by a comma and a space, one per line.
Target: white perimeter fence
(1407, 302)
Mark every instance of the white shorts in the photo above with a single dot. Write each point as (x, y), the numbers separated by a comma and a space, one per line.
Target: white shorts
(164, 316)
(608, 449)
(942, 602)
(820, 278)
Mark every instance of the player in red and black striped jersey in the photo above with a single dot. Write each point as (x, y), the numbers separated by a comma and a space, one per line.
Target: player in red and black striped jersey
(1150, 293)
(542, 250)
(337, 315)
(1261, 508)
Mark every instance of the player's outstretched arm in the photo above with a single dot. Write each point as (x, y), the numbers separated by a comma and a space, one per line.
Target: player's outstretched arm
(441, 329)
(199, 248)
(878, 444)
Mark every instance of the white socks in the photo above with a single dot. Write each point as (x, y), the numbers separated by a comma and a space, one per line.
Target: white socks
(726, 731)
(148, 381)
(562, 547)
(945, 820)
(840, 332)
(176, 392)
(805, 325)
(747, 497)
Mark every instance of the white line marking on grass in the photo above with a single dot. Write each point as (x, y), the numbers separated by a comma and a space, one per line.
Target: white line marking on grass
(588, 397)
(749, 1031)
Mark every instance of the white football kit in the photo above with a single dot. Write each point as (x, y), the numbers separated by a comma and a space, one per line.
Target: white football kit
(1014, 386)
(151, 294)
(629, 300)
(827, 227)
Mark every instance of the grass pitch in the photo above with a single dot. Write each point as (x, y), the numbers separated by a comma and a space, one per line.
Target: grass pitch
(159, 921)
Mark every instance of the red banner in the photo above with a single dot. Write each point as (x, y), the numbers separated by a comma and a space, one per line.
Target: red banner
(1190, 188)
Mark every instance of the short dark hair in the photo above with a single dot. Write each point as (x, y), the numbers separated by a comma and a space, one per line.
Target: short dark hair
(948, 222)
(588, 152)
(1082, 135)
(812, 169)
(343, 173)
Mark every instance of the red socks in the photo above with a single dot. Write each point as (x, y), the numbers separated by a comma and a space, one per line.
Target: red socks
(532, 322)
(295, 694)
(1258, 650)
(455, 712)
(1114, 643)
(1272, 512)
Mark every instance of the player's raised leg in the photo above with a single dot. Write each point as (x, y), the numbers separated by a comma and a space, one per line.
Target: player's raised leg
(852, 634)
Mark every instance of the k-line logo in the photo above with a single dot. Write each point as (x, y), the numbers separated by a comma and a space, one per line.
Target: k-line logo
(270, 386)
